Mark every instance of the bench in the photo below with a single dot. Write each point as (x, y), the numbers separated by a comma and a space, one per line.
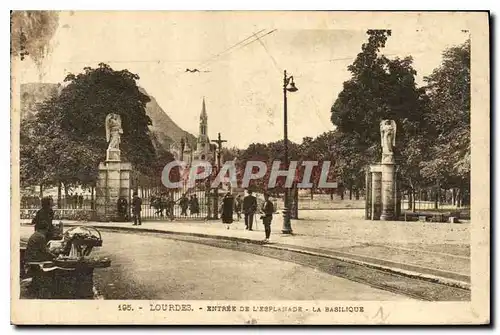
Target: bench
(426, 217)
(422, 217)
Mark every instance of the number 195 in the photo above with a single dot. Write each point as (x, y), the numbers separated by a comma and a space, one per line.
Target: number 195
(125, 307)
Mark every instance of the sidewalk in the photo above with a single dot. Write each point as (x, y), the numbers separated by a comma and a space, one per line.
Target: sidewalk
(436, 251)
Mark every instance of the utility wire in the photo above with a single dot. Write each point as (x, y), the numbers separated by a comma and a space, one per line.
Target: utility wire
(267, 51)
(237, 46)
(242, 46)
(208, 61)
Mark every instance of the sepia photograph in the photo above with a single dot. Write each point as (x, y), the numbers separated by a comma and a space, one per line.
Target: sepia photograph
(230, 167)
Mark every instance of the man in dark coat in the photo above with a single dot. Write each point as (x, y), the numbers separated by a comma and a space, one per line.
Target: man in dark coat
(184, 204)
(267, 215)
(227, 208)
(249, 209)
(170, 204)
(122, 209)
(136, 209)
(194, 206)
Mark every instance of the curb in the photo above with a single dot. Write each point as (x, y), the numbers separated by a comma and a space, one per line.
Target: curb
(394, 270)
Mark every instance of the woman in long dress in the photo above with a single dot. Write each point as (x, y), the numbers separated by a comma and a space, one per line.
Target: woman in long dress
(227, 208)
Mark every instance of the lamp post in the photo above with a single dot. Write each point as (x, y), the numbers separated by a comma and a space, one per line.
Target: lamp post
(288, 86)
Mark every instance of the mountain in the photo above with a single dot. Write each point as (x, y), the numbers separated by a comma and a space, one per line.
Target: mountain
(164, 131)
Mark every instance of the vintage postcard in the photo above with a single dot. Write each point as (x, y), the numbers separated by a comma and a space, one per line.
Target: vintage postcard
(250, 168)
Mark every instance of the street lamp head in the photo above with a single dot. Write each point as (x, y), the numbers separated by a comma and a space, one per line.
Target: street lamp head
(291, 87)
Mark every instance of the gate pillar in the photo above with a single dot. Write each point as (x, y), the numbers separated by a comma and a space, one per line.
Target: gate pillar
(113, 182)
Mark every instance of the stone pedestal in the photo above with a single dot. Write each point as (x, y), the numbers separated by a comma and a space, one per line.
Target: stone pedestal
(368, 195)
(376, 189)
(112, 155)
(388, 192)
(113, 182)
(383, 200)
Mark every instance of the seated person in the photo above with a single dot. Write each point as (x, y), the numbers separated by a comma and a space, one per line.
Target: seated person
(36, 249)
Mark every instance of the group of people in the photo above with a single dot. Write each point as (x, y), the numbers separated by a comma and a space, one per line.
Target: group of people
(75, 200)
(229, 205)
(165, 202)
(30, 201)
(249, 207)
(192, 203)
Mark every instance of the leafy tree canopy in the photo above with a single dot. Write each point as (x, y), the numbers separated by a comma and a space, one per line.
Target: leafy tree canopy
(68, 137)
(448, 88)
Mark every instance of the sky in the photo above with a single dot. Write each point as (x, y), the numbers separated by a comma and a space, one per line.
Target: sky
(243, 86)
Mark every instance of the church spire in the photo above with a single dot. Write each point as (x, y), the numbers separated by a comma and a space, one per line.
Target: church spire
(203, 114)
(203, 123)
(203, 143)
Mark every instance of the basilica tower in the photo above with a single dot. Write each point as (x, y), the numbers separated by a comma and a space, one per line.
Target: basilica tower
(203, 143)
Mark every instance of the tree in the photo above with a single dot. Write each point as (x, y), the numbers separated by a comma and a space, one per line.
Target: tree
(448, 88)
(229, 154)
(48, 155)
(380, 88)
(267, 153)
(67, 135)
(93, 94)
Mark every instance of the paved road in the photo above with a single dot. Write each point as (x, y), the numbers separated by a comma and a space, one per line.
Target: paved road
(155, 267)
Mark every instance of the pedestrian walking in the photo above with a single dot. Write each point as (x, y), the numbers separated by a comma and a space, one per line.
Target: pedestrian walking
(249, 209)
(184, 204)
(122, 209)
(237, 206)
(267, 211)
(194, 205)
(170, 207)
(136, 209)
(227, 209)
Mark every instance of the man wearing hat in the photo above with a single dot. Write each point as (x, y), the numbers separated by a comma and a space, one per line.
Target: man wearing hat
(249, 209)
(136, 209)
(267, 215)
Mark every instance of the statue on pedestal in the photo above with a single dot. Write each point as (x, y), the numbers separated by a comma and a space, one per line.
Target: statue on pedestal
(114, 130)
(388, 140)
